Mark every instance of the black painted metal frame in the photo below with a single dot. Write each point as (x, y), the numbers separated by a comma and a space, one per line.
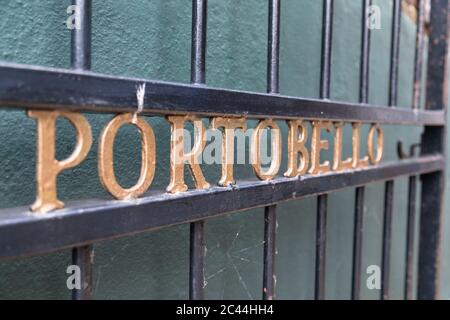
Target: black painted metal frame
(81, 224)
(35, 87)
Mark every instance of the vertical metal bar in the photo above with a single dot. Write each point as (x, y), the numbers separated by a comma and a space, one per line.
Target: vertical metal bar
(418, 63)
(412, 182)
(395, 53)
(359, 196)
(197, 261)
(327, 35)
(270, 222)
(365, 54)
(270, 214)
(81, 60)
(433, 141)
(273, 47)
(81, 35)
(387, 235)
(357, 243)
(198, 76)
(389, 187)
(321, 241)
(322, 200)
(412, 186)
(83, 258)
(198, 49)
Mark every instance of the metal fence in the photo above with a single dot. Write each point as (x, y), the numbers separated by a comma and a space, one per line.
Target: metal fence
(82, 224)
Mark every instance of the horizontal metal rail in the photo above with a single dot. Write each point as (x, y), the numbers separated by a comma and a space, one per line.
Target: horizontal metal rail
(88, 221)
(25, 86)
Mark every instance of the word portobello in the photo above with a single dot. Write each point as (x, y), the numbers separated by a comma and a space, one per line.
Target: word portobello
(300, 160)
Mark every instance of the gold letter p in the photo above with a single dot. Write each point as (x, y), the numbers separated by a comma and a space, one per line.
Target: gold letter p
(48, 168)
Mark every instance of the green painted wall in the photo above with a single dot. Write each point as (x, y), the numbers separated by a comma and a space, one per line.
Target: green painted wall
(151, 39)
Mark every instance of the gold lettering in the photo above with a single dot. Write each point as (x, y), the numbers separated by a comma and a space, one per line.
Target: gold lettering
(229, 125)
(375, 159)
(297, 137)
(356, 147)
(338, 163)
(276, 150)
(106, 157)
(317, 144)
(300, 159)
(48, 168)
(178, 157)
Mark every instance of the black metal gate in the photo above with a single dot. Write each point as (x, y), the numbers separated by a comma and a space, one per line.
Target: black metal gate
(79, 226)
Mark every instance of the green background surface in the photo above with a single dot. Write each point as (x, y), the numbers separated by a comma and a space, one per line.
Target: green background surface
(151, 39)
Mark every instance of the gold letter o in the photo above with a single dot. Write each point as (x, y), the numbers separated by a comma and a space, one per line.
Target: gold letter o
(276, 150)
(106, 157)
(375, 159)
